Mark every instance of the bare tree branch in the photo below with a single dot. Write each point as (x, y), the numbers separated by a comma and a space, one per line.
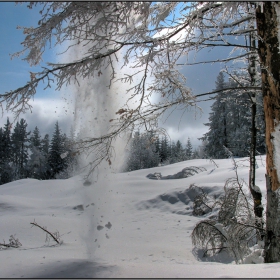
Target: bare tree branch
(54, 236)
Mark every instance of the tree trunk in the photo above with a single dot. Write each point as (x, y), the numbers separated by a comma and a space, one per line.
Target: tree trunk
(257, 195)
(268, 48)
(225, 125)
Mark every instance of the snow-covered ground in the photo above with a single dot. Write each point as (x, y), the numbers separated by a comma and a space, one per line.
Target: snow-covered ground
(123, 225)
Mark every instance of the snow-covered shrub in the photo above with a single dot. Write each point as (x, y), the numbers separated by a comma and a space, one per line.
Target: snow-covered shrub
(233, 228)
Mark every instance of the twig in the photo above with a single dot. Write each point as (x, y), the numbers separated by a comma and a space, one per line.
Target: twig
(14, 243)
(44, 229)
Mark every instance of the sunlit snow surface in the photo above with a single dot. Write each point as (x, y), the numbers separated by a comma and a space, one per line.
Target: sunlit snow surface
(125, 225)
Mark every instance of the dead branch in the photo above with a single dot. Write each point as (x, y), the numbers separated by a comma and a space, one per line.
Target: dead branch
(55, 236)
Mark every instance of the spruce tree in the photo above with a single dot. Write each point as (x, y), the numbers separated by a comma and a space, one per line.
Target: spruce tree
(179, 152)
(35, 139)
(173, 153)
(56, 162)
(165, 150)
(217, 137)
(20, 146)
(45, 143)
(239, 120)
(37, 161)
(189, 150)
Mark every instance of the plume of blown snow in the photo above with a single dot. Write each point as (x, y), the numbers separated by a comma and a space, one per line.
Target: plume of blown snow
(95, 105)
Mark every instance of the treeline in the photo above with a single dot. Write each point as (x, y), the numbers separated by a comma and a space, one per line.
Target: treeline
(149, 150)
(25, 154)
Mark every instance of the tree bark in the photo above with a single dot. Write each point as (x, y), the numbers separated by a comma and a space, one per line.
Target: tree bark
(268, 49)
(257, 196)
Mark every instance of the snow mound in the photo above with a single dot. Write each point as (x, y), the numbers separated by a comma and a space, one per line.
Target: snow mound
(176, 201)
(222, 257)
(185, 173)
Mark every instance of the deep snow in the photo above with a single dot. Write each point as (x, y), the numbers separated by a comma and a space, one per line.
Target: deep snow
(123, 225)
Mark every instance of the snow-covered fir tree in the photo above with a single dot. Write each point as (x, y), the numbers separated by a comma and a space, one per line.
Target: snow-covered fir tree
(239, 121)
(189, 150)
(37, 164)
(143, 152)
(177, 152)
(218, 135)
(70, 155)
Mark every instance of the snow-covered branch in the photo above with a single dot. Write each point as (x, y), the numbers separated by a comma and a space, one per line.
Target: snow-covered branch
(146, 40)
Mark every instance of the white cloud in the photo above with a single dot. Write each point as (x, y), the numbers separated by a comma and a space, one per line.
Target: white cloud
(45, 113)
(182, 134)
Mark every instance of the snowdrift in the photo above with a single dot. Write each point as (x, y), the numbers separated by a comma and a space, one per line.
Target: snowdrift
(123, 225)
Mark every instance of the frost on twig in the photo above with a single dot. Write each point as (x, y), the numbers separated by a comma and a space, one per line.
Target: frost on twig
(55, 235)
(13, 243)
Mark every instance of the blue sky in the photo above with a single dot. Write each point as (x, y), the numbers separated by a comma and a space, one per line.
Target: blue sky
(48, 106)
(15, 72)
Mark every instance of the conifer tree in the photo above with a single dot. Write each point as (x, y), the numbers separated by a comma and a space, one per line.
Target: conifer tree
(143, 152)
(239, 120)
(70, 155)
(179, 152)
(35, 139)
(5, 153)
(20, 146)
(37, 161)
(56, 162)
(172, 158)
(232, 109)
(217, 137)
(45, 143)
(189, 150)
(165, 149)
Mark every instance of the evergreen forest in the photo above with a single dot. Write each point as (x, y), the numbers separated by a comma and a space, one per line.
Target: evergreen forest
(26, 154)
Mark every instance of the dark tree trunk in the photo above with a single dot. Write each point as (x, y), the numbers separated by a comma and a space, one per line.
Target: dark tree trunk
(270, 70)
(225, 126)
